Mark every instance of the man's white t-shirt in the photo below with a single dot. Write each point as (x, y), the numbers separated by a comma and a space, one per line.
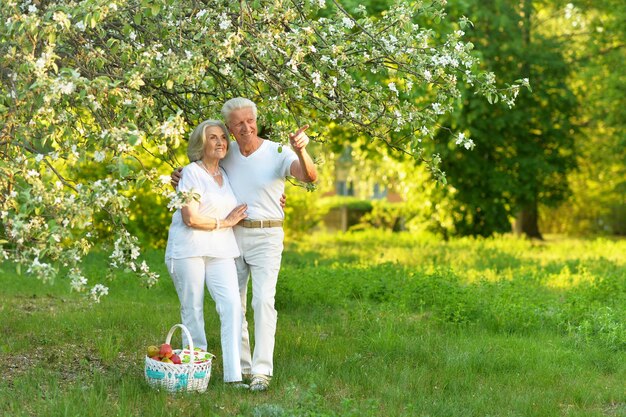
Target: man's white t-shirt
(259, 179)
(215, 201)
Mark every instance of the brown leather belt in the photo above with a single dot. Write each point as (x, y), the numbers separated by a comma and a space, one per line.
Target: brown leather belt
(259, 224)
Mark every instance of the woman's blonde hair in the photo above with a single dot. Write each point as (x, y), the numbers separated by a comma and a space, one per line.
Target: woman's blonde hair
(197, 140)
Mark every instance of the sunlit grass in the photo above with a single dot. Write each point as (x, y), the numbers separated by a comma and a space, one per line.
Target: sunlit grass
(370, 324)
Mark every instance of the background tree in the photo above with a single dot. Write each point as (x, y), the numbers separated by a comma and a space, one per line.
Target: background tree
(594, 33)
(117, 85)
(523, 154)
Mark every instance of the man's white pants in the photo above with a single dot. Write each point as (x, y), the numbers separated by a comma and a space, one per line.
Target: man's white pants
(261, 252)
(220, 276)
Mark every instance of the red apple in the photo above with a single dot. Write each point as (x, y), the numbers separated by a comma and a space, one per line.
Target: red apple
(176, 359)
(156, 357)
(166, 351)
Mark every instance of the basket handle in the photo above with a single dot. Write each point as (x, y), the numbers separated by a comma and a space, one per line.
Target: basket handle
(185, 330)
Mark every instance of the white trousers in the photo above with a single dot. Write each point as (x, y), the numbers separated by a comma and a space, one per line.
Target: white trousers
(261, 253)
(220, 276)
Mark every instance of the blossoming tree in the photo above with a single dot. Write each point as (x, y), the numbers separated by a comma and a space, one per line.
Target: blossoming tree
(91, 90)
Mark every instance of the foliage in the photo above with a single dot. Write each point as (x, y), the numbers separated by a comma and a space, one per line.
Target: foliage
(118, 84)
(523, 155)
(595, 32)
(418, 202)
(502, 284)
(302, 212)
(351, 203)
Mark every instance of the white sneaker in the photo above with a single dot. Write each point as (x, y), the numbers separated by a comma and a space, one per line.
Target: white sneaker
(260, 382)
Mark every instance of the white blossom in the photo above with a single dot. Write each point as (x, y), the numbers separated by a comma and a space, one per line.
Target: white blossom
(59, 17)
(64, 87)
(179, 199)
(41, 62)
(225, 22)
(348, 22)
(226, 69)
(317, 78)
(98, 291)
(392, 87)
(99, 156)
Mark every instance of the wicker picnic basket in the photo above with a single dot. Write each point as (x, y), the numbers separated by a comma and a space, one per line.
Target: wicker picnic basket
(192, 376)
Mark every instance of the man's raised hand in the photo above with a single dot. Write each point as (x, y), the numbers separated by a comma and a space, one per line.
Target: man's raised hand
(299, 140)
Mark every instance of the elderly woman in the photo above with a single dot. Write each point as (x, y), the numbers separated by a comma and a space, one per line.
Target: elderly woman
(201, 246)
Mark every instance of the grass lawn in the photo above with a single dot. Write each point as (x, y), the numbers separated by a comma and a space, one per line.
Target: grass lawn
(370, 324)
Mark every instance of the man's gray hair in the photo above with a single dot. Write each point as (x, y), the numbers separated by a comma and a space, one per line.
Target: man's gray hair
(197, 140)
(236, 104)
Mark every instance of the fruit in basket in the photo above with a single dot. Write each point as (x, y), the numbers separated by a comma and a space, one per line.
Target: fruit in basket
(152, 351)
(176, 359)
(166, 360)
(166, 351)
(155, 357)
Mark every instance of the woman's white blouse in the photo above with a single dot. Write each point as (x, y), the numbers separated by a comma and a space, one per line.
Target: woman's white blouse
(215, 201)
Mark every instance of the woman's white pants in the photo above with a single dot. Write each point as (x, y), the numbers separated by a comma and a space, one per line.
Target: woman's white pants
(220, 276)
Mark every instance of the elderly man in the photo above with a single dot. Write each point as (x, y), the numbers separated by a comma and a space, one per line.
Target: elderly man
(257, 171)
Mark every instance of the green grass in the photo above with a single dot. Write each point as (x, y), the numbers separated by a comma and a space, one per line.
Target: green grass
(370, 324)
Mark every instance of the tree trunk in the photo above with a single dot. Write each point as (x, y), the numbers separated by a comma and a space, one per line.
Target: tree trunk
(527, 222)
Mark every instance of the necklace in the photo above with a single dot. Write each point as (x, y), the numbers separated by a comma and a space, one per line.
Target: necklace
(213, 174)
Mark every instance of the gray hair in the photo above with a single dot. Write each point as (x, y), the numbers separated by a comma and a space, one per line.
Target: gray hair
(197, 140)
(236, 104)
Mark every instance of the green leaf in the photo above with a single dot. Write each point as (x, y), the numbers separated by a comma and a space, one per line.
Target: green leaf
(122, 168)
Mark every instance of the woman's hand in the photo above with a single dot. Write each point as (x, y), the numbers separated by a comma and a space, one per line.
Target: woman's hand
(177, 174)
(235, 216)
